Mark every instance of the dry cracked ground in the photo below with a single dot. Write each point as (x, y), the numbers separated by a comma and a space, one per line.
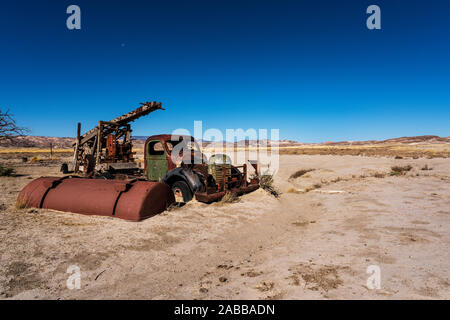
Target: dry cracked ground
(316, 240)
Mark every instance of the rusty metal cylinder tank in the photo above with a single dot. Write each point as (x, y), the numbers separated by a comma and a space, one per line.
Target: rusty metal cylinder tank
(130, 200)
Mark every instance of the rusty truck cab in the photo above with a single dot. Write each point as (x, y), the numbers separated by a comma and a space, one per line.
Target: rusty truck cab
(158, 160)
(178, 161)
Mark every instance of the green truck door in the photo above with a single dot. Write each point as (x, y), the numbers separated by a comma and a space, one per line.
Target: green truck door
(156, 160)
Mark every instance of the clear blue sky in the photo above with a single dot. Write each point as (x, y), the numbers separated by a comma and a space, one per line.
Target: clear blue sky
(310, 68)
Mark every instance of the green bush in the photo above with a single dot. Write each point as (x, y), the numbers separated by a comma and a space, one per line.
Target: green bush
(6, 171)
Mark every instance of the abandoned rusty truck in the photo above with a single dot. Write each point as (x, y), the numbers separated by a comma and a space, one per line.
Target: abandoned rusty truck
(107, 180)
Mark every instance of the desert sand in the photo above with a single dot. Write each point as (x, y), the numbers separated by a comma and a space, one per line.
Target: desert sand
(316, 244)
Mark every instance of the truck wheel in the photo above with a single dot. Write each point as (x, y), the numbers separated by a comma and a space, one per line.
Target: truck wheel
(181, 192)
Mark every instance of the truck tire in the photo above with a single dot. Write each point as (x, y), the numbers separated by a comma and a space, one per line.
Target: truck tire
(181, 192)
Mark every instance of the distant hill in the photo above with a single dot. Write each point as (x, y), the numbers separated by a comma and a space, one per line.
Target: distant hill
(428, 139)
(38, 142)
(66, 142)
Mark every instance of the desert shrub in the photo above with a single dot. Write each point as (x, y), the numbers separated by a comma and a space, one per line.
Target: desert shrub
(300, 173)
(266, 183)
(229, 197)
(379, 175)
(400, 170)
(6, 171)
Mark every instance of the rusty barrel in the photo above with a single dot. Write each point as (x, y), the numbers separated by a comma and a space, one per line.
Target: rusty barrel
(130, 200)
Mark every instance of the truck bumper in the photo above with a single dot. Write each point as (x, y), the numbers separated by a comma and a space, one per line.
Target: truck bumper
(216, 196)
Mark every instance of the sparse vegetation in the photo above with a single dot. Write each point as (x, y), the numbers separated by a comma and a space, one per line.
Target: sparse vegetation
(400, 170)
(266, 183)
(35, 159)
(22, 204)
(399, 150)
(174, 206)
(8, 126)
(426, 167)
(379, 175)
(229, 197)
(305, 190)
(300, 173)
(6, 172)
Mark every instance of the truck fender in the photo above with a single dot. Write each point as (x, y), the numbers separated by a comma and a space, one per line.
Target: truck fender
(190, 177)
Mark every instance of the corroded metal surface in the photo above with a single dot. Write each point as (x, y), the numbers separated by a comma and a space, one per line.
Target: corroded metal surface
(132, 200)
(216, 196)
(143, 110)
(109, 142)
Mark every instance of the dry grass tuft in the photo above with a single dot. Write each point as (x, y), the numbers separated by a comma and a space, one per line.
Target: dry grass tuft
(379, 175)
(323, 278)
(22, 204)
(266, 183)
(174, 206)
(300, 173)
(229, 197)
(400, 170)
(265, 285)
(313, 187)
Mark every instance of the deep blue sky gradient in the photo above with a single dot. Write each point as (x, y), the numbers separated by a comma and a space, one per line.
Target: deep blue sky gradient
(310, 68)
